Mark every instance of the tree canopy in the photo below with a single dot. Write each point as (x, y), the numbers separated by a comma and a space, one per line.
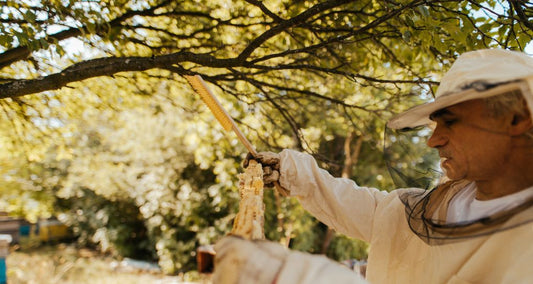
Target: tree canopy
(350, 57)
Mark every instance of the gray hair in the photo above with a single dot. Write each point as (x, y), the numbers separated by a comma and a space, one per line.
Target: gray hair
(512, 101)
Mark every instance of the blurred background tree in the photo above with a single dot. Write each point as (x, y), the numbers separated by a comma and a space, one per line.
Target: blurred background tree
(99, 127)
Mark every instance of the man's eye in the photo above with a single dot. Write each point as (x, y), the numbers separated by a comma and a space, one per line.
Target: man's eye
(449, 122)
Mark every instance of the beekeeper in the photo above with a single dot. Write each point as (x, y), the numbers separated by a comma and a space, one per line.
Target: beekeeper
(475, 227)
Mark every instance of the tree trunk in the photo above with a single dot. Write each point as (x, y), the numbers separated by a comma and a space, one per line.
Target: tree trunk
(350, 160)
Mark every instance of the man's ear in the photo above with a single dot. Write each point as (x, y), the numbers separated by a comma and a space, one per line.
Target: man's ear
(521, 123)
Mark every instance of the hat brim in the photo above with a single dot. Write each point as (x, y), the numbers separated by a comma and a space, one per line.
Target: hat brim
(419, 115)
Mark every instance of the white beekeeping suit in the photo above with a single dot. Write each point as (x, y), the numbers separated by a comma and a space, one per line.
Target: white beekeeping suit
(412, 238)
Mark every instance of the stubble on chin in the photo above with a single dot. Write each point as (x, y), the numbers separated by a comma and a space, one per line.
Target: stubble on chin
(447, 167)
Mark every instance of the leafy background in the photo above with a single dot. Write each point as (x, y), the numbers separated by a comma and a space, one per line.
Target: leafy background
(99, 128)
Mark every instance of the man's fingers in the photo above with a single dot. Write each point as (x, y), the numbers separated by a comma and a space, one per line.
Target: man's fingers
(268, 158)
(271, 177)
(264, 158)
(271, 165)
(246, 161)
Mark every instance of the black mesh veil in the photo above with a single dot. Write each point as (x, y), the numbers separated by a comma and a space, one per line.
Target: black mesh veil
(426, 192)
(411, 163)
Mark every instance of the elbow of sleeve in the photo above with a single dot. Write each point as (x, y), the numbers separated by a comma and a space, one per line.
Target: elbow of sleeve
(305, 268)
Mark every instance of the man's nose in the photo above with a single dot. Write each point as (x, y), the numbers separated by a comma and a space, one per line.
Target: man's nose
(437, 139)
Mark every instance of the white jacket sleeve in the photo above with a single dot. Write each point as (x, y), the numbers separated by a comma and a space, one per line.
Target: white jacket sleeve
(264, 262)
(338, 202)
(304, 268)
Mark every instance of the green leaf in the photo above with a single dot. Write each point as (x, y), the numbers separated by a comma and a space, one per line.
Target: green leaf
(406, 35)
(423, 10)
(30, 16)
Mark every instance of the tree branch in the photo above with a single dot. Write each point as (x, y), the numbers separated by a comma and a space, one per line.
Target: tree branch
(106, 67)
(10, 56)
(299, 19)
(517, 4)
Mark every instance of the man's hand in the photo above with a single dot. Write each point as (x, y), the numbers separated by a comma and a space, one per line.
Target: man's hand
(265, 158)
(271, 165)
(241, 261)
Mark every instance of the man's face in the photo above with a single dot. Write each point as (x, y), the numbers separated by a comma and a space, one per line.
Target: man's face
(472, 144)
